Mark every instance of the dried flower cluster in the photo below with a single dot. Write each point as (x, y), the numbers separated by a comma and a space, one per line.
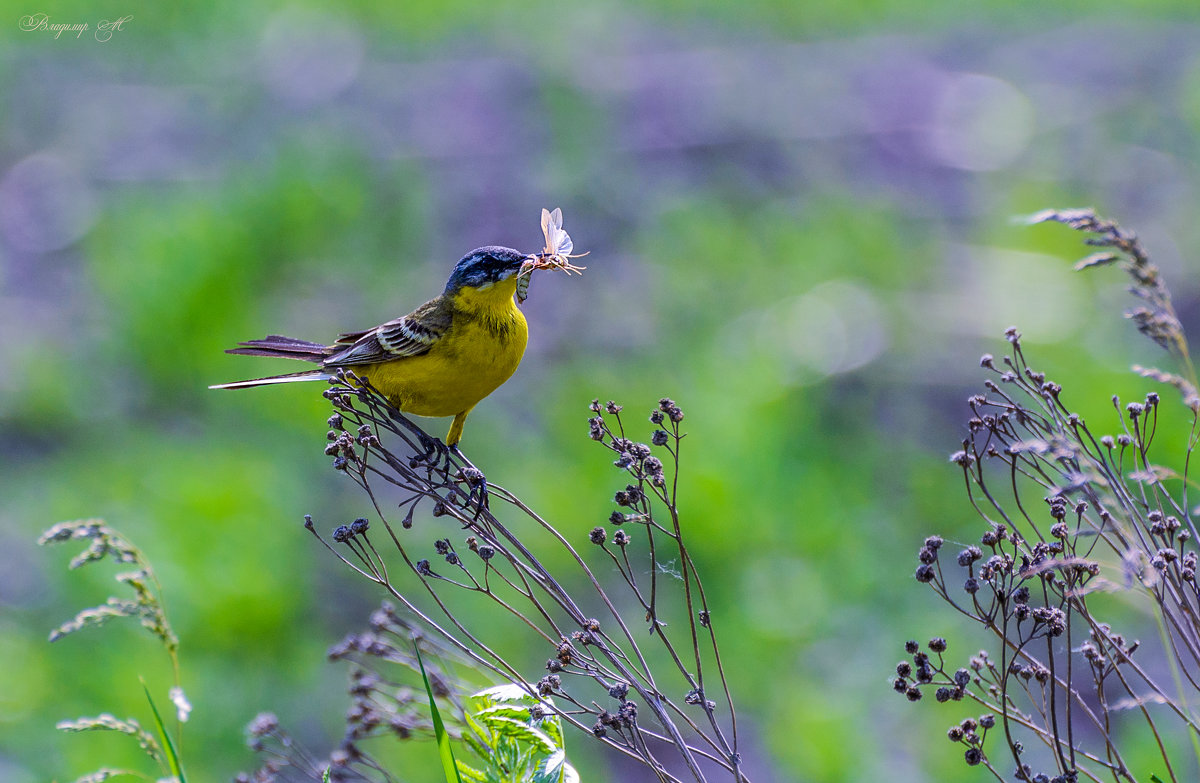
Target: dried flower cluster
(387, 700)
(1155, 316)
(1076, 522)
(597, 677)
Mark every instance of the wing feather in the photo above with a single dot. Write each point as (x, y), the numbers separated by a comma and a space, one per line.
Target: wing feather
(409, 335)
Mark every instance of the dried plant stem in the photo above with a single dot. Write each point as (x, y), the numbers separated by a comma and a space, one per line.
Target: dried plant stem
(510, 572)
(1040, 585)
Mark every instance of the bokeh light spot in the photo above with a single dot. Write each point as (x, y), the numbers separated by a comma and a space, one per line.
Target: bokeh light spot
(981, 123)
(44, 204)
(309, 57)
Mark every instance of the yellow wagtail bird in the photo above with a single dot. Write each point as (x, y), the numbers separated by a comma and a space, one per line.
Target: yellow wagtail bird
(448, 354)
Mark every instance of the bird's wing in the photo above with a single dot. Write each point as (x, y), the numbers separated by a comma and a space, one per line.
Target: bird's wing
(409, 335)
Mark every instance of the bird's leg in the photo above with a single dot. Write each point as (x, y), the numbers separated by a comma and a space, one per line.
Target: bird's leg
(433, 452)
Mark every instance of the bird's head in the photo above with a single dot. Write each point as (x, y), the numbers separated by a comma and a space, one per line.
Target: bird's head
(484, 267)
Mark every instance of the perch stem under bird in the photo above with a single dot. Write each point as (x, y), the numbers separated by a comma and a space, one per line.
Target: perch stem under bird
(448, 354)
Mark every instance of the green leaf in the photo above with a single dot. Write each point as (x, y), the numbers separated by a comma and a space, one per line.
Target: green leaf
(449, 767)
(521, 732)
(517, 747)
(469, 774)
(550, 768)
(552, 725)
(504, 711)
(505, 693)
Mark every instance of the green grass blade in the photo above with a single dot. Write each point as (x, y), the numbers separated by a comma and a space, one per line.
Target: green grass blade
(168, 745)
(449, 767)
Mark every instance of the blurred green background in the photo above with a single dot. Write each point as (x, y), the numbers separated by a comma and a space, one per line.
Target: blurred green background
(800, 225)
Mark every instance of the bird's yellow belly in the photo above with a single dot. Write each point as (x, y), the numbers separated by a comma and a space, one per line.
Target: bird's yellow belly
(459, 371)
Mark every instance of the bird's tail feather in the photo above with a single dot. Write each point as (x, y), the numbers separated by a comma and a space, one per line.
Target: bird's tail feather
(282, 347)
(294, 377)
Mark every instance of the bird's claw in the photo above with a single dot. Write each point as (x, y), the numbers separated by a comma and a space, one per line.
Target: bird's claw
(435, 454)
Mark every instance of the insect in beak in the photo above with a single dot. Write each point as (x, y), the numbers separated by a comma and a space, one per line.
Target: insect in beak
(555, 255)
(523, 278)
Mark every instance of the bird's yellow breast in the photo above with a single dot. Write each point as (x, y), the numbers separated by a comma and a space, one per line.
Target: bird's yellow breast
(479, 351)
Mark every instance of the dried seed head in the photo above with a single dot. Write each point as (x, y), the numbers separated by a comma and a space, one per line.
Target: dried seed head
(263, 724)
